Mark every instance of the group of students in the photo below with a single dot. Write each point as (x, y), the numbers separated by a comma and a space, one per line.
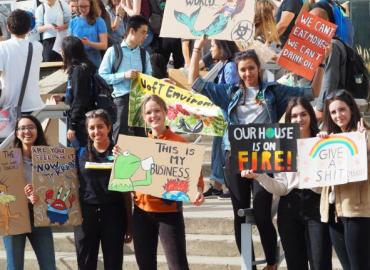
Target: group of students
(107, 215)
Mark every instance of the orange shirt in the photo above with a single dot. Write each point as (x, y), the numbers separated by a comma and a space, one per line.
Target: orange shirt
(149, 203)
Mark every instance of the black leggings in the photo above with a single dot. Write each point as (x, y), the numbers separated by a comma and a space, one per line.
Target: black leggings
(240, 198)
(171, 229)
(303, 236)
(351, 241)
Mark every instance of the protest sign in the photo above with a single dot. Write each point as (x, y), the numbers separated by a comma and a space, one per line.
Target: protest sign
(337, 160)
(14, 213)
(164, 169)
(263, 148)
(305, 47)
(54, 178)
(188, 112)
(216, 19)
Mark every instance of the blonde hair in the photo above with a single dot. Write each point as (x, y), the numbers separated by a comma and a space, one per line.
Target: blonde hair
(264, 21)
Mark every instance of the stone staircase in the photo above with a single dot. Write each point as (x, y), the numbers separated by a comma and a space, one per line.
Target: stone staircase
(209, 238)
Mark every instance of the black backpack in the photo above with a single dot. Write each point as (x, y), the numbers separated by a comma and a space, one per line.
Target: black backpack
(103, 98)
(357, 76)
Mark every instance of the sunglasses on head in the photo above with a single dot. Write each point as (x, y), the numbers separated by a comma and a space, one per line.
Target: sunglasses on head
(96, 112)
(337, 93)
(250, 52)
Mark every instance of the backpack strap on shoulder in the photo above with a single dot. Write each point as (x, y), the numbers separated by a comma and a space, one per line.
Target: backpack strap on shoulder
(143, 59)
(118, 55)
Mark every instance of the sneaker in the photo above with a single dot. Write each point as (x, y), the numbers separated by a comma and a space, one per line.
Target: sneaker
(212, 192)
(224, 196)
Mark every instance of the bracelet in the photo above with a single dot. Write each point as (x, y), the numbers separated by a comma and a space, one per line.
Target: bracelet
(196, 50)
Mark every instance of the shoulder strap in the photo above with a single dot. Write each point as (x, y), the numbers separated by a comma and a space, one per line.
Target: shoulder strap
(25, 77)
(118, 55)
(143, 59)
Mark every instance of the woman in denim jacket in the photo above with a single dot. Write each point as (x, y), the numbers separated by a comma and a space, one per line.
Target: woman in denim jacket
(252, 101)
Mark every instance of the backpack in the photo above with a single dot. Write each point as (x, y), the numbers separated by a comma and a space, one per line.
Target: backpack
(103, 98)
(345, 29)
(155, 19)
(357, 76)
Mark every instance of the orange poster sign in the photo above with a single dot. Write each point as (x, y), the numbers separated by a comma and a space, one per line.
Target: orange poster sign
(305, 48)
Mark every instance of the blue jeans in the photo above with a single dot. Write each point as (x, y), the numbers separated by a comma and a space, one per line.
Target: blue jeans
(218, 161)
(41, 239)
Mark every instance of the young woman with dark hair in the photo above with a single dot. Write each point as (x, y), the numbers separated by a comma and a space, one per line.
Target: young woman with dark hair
(28, 132)
(91, 29)
(304, 237)
(251, 101)
(79, 93)
(223, 53)
(106, 214)
(346, 207)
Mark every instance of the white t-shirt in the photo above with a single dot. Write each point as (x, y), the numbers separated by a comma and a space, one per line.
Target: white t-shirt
(52, 15)
(249, 110)
(13, 58)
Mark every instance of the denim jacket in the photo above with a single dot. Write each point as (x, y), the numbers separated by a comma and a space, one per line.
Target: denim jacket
(274, 97)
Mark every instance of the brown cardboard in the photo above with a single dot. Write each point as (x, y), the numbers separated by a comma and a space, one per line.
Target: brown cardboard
(54, 178)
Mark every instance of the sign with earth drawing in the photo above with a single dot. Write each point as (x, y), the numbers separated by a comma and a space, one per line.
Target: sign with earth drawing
(164, 169)
(216, 19)
(264, 148)
(188, 112)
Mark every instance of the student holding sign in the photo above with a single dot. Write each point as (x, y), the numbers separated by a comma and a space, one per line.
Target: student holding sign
(304, 237)
(153, 216)
(222, 51)
(252, 101)
(346, 207)
(28, 132)
(106, 214)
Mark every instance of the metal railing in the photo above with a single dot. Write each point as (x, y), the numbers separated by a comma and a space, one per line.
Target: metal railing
(48, 112)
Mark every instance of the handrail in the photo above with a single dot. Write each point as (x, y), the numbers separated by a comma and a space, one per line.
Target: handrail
(48, 112)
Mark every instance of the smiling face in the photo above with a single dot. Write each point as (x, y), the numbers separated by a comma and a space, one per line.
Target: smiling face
(155, 116)
(248, 72)
(340, 113)
(300, 116)
(27, 131)
(98, 131)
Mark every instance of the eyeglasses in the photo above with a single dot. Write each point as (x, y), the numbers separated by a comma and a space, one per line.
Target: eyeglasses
(96, 112)
(337, 93)
(83, 7)
(24, 128)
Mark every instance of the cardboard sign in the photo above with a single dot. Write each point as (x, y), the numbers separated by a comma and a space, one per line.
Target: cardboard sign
(164, 169)
(305, 47)
(264, 148)
(54, 178)
(14, 213)
(340, 159)
(217, 19)
(188, 112)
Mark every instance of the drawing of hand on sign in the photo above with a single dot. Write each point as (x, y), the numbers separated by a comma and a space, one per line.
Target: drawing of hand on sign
(125, 167)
